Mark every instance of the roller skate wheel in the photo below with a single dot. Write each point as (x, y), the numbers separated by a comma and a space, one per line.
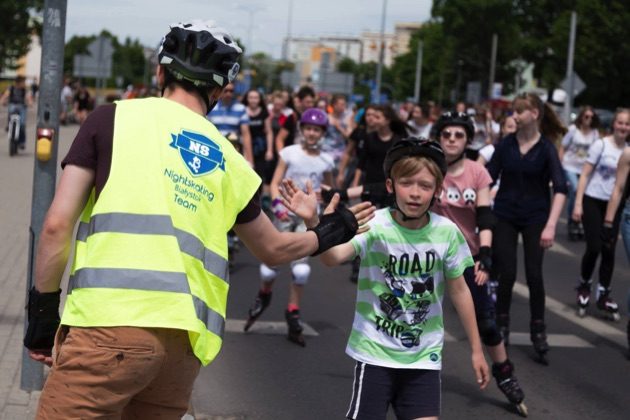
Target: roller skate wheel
(522, 409)
(616, 317)
(581, 312)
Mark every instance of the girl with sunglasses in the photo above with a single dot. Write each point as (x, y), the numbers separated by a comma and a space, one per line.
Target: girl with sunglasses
(465, 200)
(573, 154)
(527, 161)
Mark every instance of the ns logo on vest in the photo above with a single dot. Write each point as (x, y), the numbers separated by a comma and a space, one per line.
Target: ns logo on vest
(200, 154)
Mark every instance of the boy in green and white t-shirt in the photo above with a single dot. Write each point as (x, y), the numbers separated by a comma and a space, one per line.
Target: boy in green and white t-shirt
(409, 257)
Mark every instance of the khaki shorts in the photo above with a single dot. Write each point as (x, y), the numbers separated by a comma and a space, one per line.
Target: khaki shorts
(119, 373)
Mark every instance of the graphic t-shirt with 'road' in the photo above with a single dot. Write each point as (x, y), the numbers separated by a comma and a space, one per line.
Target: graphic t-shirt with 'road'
(398, 320)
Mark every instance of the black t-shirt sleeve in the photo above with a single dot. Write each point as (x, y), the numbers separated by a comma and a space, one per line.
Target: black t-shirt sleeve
(95, 133)
(251, 210)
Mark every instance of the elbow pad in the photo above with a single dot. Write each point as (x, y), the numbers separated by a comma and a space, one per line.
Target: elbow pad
(335, 228)
(485, 218)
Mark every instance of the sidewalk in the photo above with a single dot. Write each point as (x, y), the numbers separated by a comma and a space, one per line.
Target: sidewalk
(16, 185)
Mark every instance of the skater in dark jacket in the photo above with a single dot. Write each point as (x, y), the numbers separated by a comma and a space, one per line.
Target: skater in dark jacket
(527, 161)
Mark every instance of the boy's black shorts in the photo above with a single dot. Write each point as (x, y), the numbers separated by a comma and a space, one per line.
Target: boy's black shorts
(412, 393)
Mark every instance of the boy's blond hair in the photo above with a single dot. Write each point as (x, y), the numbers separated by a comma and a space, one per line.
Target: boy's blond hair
(411, 165)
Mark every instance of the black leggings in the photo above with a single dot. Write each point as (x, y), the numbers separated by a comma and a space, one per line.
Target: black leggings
(505, 241)
(594, 211)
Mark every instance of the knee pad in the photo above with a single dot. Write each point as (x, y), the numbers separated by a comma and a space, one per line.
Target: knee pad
(267, 273)
(488, 331)
(301, 272)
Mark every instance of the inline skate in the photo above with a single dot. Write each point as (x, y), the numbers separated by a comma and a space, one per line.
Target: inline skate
(538, 336)
(295, 327)
(261, 303)
(606, 305)
(508, 384)
(583, 297)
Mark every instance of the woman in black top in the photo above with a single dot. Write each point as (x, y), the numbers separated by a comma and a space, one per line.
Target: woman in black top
(388, 129)
(526, 162)
(261, 132)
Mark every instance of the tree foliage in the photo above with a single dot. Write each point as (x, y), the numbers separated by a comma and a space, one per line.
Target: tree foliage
(128, 60)
(265, 71)
(16, 26)
(458, 39)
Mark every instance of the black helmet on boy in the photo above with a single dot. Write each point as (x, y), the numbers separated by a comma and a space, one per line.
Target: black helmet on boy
(414, 146)
(200, 54)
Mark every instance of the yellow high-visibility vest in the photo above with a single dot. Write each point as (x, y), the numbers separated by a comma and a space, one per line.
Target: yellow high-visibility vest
(151, 251)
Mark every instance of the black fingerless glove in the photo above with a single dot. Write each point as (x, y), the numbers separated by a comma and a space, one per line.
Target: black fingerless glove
(335, 228)
(43, 320)
(327, 195)
(485, 259)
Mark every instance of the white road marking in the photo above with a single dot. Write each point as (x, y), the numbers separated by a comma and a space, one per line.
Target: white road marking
(554, 340)
(266, 327)
(601, 328)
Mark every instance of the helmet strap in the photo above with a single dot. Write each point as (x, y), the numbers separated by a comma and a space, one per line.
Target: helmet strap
(457, 159)
(406, 218)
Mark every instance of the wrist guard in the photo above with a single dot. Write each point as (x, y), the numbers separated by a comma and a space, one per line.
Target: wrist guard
(335, 228)
(278, 209)
(327, 195)
(43, 320)
(485, 259)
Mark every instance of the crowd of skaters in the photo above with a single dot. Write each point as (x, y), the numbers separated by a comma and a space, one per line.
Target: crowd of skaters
(357, 138)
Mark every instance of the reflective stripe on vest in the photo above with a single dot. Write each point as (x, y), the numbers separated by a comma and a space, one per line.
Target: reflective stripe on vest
(121, 278)
(156, 225)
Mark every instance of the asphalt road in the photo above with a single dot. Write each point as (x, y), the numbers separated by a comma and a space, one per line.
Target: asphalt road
(261, 375)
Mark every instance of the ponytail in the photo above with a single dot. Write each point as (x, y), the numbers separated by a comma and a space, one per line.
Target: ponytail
(549, 124)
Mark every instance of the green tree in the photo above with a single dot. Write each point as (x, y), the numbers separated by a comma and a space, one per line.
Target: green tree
(437, 55)
(600, 50)
(17, 23)
(365, 75)
(467, 28)
(128, 59)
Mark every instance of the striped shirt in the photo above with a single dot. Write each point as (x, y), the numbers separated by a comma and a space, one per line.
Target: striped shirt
(398, 321)
(229, 118)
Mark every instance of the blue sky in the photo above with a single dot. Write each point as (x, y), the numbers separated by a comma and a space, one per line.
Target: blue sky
(148, 20)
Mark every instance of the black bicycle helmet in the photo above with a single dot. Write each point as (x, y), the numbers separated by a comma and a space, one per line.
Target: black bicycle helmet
(200, 53)
(415, 146)
(456, 118)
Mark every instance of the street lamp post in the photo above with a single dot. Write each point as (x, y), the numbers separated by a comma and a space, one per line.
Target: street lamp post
(381, 53)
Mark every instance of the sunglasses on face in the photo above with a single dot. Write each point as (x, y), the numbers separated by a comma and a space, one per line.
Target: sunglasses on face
(446, 134)
(228, 91)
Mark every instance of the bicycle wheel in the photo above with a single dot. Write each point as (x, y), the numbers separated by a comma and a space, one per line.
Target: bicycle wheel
(14, 133)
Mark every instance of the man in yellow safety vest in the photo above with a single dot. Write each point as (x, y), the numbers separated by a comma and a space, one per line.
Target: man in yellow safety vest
(155, 188)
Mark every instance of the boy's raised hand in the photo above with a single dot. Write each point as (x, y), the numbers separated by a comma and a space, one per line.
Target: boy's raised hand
(303, 204)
